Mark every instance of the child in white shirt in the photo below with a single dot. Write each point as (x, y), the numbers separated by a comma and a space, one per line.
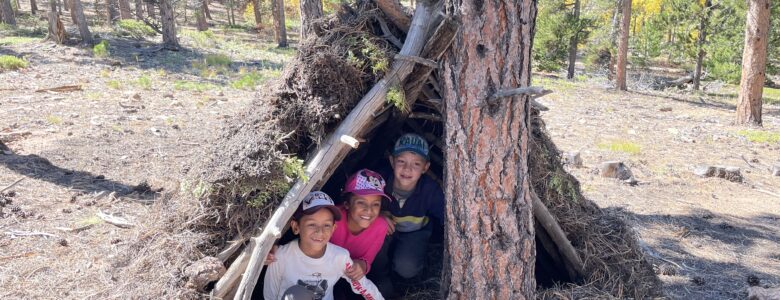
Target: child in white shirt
(308, 267)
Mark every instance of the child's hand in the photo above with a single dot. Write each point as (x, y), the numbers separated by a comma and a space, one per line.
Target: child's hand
(271, 256)
(357, 270)
(390, 223)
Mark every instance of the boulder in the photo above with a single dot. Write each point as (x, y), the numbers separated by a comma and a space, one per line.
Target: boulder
(204, 271)
(615, 169)
(572, 159)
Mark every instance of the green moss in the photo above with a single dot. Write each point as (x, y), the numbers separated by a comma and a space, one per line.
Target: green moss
(396, 97)
(620, 146)
(248, 81)
(760, 136)
(10, 62)
(564, 187)
(101, 49)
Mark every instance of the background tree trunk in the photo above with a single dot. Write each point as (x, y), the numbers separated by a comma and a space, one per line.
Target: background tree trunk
(622, 59)
(258, 14)
(124, 10)
(200, 16)
(168, 21)
(310, 11)
(7, 12)
(112, 9)
(279, 28)
(150, 10)
(56, 29)
(139, 10)
(490, 231)
(705, 20)
(33, 7)
(575, 39)
(77, 12)
(751, 87)
(206, 10)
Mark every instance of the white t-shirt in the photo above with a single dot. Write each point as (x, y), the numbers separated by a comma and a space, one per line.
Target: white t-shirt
(292, 268)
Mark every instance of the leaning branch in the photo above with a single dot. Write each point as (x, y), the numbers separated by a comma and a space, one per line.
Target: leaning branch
(550, 225)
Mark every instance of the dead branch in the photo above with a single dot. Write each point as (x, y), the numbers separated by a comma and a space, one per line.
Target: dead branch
(396, 13)
(551, 226)
(12, 184)
(61, 89)
(426, 62)
(426, 116)
(18, 233)
(114, 220)
(388, 35)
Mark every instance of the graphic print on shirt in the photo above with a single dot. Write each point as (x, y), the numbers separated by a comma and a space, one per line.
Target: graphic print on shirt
(317, 286)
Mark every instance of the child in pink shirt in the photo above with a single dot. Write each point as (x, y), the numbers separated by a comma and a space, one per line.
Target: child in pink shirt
(363, 230)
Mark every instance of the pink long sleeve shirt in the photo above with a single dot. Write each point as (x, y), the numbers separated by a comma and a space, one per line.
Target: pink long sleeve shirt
(363, 246)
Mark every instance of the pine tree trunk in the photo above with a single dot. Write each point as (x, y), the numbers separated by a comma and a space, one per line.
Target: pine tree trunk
(7, 12)
(168, 21)
(77, 11)
(622, 59)
(575, 39)
(150, 10)
(753, 63)
(200, 16)
(705, 19)
(206, 10)
(112, 7)
(139, 10)
(310, 11)
(279, 28)
(124, 10)
(33, 7)
(490, 231)
(258, 14)
(56, 29)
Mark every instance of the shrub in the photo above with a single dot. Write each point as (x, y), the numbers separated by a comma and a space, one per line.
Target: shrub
(101, 49)
(10, 62)
(134, 28)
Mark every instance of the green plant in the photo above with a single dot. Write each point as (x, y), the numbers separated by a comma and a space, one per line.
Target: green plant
(293, 168)
(54, 120)
(217, 60)
(396, 97)
(192, 86)
(134, 28)
(115, 84)
(145, 82)
(620, 146)
(760, 136)
(275, 188)
(101, 49)
(248, 81)
(17, 40)
(10, 62)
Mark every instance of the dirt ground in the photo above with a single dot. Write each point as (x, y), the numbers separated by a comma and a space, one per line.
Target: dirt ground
(707, 236)
(119, 145)
(116, 146)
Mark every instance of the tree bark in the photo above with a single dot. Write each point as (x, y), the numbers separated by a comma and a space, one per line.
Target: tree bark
(279, 28)
(258, 14)
(124, 10)
(7, 12)
(150, 10)
(310, 11)
(77, 11)
(200, 16)
(170, 41)
(751, 86)
(575, 39)
(703, 23)
(33, 7)
(490, 231)
(622, 59)
(206, 9)
(112, 8)
(56, 29)
(139, 10)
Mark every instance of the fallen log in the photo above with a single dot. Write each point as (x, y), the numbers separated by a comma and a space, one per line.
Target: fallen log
(330, 154)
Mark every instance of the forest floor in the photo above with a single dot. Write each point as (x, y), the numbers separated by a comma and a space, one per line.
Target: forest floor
(116, 145)
(122, 141)
(706, 236)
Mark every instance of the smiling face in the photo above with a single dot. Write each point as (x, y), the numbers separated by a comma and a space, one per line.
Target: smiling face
(315, 231)
(407, 169)
(362, 211)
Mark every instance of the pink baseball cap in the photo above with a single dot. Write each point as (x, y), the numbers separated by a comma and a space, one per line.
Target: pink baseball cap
(365, 183)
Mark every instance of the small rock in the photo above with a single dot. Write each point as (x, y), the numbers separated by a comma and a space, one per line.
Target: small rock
(168, 96)
(763, 293)
(137, 96)
(155, 131)
(776, 170)
(615, 169)
(698, 280)
(572, 159)
(204, 271)
(753, 280)
(732, 174)
(63, 242)
(665, 109)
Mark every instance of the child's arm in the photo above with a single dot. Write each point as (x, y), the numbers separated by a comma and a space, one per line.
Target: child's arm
(271, 256)
(363, 287)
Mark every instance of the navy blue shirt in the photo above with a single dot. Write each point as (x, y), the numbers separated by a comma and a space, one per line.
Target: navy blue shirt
(425, 203)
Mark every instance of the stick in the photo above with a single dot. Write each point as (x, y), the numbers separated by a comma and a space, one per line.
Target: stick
(114, 220)
(425, 116)
(550, 225)
(60, 89)
(531, 90)
(419, 60)
(16, 233)
(332, 151)
(13, 184)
